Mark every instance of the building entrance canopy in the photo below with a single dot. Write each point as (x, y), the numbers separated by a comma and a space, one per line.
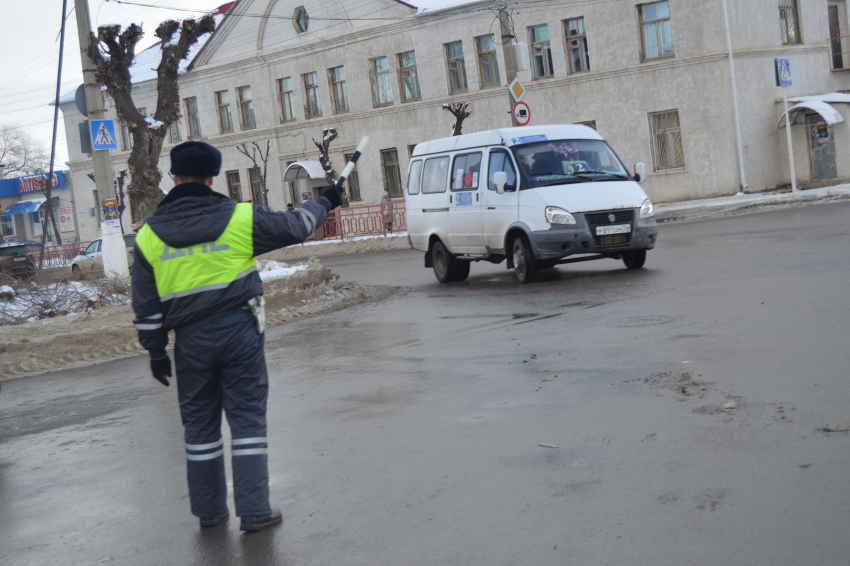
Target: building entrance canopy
(821, 104)
(24, 206)
(304, 170)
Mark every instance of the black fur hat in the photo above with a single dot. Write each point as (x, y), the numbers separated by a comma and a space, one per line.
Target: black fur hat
(195, 158)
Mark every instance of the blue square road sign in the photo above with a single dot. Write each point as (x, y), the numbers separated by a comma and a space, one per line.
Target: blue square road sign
(783, 72)
(103, 134)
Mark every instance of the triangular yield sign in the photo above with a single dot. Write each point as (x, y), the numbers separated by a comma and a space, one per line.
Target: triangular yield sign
(103, 137)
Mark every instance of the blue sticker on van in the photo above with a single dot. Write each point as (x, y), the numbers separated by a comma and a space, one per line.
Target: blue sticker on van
(529, 139)
(463, 199)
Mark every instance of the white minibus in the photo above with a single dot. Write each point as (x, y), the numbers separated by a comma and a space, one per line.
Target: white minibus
(534, 196)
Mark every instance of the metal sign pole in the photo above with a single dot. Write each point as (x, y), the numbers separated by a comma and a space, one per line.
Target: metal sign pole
(788, 137)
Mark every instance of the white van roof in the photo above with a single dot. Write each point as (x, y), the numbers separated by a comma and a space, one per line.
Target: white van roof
(508, 137)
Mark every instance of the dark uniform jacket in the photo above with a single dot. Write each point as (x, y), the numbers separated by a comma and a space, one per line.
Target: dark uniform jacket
(191, 214)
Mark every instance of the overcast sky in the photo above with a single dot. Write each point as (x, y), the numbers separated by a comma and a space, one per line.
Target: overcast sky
(30, 56)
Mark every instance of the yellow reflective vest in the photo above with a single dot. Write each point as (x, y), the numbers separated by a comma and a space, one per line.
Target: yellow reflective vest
(202, 267)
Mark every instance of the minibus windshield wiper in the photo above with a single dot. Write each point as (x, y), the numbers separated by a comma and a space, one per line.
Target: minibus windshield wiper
(618, 175)
(565, 181)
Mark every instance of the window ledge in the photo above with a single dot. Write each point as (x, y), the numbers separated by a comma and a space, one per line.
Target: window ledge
(549, 78)
(670, 171)
(491, 87)
(405, 101)
(654, 59)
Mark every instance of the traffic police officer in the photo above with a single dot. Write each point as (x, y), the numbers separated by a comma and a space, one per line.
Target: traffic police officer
(194, 272)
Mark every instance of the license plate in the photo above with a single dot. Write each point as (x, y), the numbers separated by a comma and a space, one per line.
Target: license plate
(20, 259)
(618, 229)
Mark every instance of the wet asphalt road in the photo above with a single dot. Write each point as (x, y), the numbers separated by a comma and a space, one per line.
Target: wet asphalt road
(684, 400)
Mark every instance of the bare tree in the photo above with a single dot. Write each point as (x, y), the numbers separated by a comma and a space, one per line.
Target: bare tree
(329, 135)
(257, 152)
(460, 110)
(113, 52)
(21, 153)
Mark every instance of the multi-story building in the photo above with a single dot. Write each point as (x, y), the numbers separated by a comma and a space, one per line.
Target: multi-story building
(654, 77)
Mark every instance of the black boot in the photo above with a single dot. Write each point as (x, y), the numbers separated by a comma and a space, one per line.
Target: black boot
(253, 524)
(214, 521)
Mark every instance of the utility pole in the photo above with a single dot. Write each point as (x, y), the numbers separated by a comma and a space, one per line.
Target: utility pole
(507, 52)
(114, 249)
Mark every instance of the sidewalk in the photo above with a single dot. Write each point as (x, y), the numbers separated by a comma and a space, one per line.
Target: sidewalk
(666, 212)
(741, 203)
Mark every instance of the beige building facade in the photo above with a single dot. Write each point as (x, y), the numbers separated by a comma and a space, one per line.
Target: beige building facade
(654, 78)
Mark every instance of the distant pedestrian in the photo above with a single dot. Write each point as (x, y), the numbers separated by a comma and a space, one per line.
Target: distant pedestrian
(289, 207)
(195, 273)
(387, 208)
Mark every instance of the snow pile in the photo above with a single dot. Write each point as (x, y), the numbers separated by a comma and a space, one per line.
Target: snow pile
(270, 269)
(106, 333)
(153, 124)
(358, 245)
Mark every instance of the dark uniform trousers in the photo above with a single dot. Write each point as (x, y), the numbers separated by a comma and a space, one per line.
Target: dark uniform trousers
(223, 366)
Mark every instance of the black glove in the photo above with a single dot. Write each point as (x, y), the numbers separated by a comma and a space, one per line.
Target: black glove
(333, 196)
(161, 368)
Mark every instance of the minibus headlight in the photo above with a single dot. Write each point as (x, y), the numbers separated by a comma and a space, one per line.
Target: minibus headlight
(555, 215)
(646, 209)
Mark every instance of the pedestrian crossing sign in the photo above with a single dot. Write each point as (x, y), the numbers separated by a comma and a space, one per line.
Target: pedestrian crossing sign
(103, 134)
(783, 72)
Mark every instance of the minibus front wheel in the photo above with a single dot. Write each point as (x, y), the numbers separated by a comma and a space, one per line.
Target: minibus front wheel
(525, 265)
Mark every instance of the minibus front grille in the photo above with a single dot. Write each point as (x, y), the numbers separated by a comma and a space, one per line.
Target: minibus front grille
(621, 216)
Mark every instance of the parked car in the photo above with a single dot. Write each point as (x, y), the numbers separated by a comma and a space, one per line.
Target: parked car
(16, 261)
(533, 195)
(91, 260)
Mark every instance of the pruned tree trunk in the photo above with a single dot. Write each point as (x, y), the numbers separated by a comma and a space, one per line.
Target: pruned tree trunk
(148, 133)
(121, 196)
(460, 110)
(328, 135)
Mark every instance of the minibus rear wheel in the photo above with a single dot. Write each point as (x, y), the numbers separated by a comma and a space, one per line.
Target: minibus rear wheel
(445, 264)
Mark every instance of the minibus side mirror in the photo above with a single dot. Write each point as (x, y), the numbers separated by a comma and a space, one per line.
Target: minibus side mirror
(640, 173)
(500, 179)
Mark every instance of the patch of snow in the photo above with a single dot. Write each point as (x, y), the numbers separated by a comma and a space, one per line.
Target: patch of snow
(357, 238)
(153, 124)
(272, 269)
(6, 289)
(435, 5)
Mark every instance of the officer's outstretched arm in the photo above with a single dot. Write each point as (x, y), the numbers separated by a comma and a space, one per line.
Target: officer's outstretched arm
(148, 308)
(274, 230)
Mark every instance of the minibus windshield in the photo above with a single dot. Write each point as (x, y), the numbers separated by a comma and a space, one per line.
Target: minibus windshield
(560, 162)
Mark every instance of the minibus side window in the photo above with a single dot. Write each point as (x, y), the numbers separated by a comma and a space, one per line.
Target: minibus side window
(500, 161)
(413, 177)
(435, 175)
(465, 172)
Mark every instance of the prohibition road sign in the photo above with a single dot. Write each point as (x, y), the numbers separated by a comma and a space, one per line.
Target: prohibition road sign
(522, 113)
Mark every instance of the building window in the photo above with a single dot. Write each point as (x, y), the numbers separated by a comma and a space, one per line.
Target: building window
(192, 118)
(8, 225)
(410, 149)
(541, 52)
(126, 138)
(338, 88)
(409, 77)
(246, 108)
(284, 91)
(789, 22)
(353, 181)
(301, 19)
(488, 63)
(457, 68)
(667, 151)
(258, 195)
(174, 134)
(391, 171)
(382, 94)
(311, 87)
(233, 187)
(577, 45)
(225, 123)
(657, 30)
